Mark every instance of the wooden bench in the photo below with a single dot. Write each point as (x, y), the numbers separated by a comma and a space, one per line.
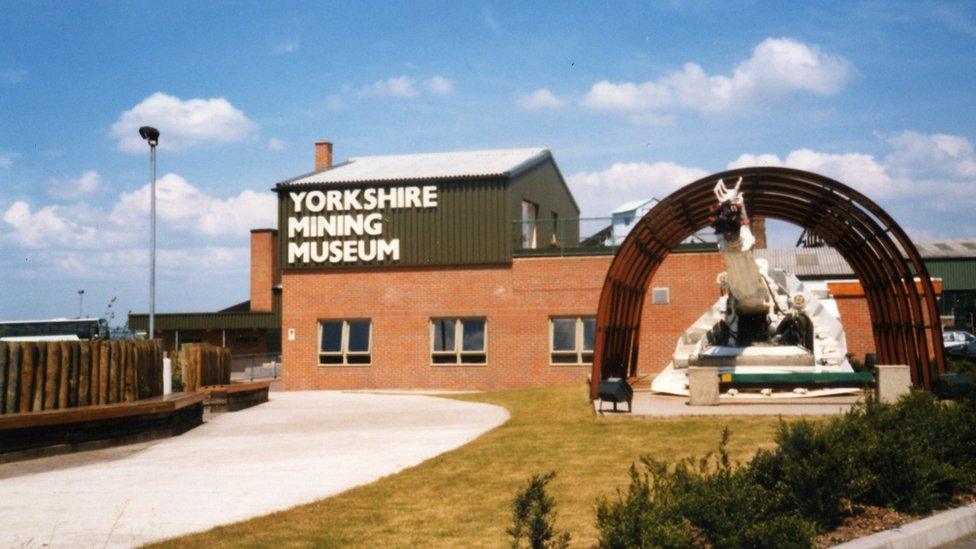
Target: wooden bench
(235, 396)
(34, 434)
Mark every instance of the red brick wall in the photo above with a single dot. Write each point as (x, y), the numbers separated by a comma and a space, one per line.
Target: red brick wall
(264, 268)
(517, 301)
(856, 318)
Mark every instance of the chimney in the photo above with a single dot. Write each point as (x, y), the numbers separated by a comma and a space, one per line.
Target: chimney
(265, 273)
(758, 226)
(323, 155)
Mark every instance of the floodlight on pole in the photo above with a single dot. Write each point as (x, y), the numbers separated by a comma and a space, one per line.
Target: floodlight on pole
(151, 135)
(81, 303)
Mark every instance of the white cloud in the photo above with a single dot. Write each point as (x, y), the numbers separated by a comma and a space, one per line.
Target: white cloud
(275, 144)
(937, 155)
(939, 167)
(181, 205)
(598, 193)
(181, 208)
(287, 46)
(47, 227)
(88, 184)
(7, 159)
(861, 171)
(778, 67)
(400, 86)
(438, 85)
(540, 99)
(182, 124)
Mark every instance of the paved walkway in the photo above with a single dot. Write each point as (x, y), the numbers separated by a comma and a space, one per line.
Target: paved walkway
(297, 448)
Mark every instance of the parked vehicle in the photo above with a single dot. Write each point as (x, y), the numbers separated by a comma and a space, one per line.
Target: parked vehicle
(958, 343)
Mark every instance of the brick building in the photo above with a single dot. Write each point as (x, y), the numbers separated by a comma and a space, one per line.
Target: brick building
(465, 270)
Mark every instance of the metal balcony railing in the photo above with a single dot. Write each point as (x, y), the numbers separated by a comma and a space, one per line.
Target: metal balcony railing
(578, 236)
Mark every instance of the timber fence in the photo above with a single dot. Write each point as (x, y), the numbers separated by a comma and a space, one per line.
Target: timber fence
(53, 375)
(203, 365)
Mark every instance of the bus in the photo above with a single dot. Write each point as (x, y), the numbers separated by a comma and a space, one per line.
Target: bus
(55, 329)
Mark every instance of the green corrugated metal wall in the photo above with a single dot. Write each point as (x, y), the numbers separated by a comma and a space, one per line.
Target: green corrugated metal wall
(469, 226)
(956, 274)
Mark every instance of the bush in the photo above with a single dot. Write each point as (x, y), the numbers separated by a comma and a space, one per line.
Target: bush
(912, 456)
(534, 516)
(698, 503)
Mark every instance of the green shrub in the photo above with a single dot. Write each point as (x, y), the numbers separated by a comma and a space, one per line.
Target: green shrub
(698, 503)
(813, 471)
(907, 450)
(534, 516)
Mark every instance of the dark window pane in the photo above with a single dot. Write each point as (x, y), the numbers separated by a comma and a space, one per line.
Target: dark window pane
(445, 359)
(331, 337)
(589, 333)
(474, 335)
(444, 335)
(561, 358)
(358, 336)
(330, 359)
(564, 334)
(587, 358)
(473, 359)
(357, 359)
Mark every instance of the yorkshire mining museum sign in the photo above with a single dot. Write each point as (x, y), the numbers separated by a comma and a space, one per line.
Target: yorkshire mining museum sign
(342, 227)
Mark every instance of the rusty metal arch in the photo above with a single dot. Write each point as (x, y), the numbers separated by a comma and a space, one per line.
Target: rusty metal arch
(905, 322)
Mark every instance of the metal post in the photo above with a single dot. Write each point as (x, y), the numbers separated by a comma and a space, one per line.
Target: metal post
(152, 242)
(81, 303)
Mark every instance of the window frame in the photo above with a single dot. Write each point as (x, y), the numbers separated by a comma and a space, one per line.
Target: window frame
(578, 340)
(344, 351)
(533, 223)
(458, 351)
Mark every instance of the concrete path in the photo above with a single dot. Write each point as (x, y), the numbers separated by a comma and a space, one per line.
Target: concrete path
(297, 448)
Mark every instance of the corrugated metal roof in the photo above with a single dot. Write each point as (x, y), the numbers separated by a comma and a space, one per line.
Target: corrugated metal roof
(633, 205)
(412, 167)
(807, 262)
(963, 248)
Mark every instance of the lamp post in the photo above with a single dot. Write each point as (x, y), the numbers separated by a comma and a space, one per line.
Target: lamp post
(81, 303)
(151, 135)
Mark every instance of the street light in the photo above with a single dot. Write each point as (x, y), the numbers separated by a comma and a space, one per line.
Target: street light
(151, 135)
(81, 303)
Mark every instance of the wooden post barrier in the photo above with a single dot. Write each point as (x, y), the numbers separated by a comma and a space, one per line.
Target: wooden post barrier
(39, 376)
(13, 378)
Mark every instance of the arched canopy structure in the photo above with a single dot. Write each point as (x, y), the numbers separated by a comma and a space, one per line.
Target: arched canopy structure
(904, 316)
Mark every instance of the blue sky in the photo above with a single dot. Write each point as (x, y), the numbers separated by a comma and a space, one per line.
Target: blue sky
(634, 99)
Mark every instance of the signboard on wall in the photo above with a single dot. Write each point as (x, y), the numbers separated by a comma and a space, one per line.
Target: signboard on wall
(346, 226)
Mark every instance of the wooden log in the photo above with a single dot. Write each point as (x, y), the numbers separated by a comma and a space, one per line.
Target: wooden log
(65, 375)
(13, 377)
(84, 375)
(104, 354)
(138, 352)
(52, 376)
(96, 346)
(113, 373)
(3, 377)
(73, 379)
(40, 367)
(27, 357)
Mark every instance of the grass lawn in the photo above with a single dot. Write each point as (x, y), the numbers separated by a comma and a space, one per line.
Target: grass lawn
(461, 498)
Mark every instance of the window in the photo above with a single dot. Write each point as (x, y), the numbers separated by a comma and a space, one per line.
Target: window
(660, 296)
(345, 342)
(530, 217)
(571, 339)
(458, 340)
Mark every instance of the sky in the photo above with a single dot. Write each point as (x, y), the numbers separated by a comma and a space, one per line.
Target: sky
(635, 99)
